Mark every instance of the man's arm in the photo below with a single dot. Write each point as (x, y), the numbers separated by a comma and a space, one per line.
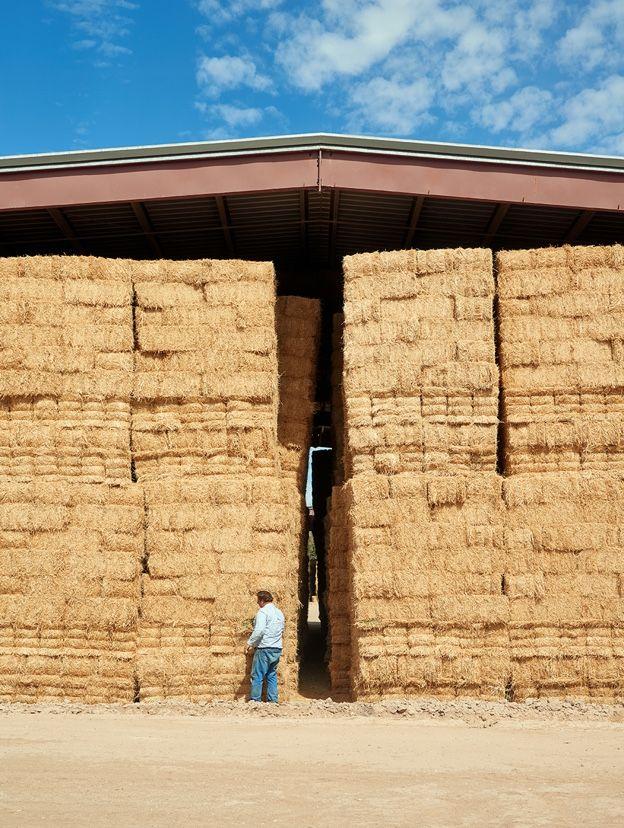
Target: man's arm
(258, 630)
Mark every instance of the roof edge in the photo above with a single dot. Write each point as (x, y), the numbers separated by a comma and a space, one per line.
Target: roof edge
(310, 142)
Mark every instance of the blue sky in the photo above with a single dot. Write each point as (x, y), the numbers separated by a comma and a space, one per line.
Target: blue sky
(93, 73)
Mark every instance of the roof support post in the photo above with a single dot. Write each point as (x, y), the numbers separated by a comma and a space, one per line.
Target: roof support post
(225, 224)
(333, 223)
(56, 214)
(413, 220)
(580, 223)
(146, 227)
(495, 222)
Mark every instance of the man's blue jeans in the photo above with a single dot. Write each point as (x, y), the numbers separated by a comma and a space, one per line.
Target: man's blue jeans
(264, 666)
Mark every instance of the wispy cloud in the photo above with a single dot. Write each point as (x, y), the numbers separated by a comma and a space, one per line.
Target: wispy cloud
(100, 26)
(217, 74)
(597, 39)
(535, 71)
(224, 11)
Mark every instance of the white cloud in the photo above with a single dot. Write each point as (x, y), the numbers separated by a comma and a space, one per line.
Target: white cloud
(102, 24)
(316, 53)
(224, 11)
(593, 118)
(521, 113)
(597, 39)
(214, 75)
(390, 105)
(233, 116)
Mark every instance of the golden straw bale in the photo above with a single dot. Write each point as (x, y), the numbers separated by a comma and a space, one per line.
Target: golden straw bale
(44, 438)
(298, 323)
(420, 376)
(211, 543)
(206, 330)
(70, 563)
(339, 595)
(66, 327)
(564, 583)
(425, 562)
(562, 360)
(337, 401)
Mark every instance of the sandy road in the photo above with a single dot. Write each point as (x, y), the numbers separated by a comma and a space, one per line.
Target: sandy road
(110, 769)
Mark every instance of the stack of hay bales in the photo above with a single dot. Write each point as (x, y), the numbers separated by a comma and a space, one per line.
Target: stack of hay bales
(71, 537)
(211, 543)
(224, 399)
(425, 560)
(562, 358)
(419, 520)
(561, 351)
(298, 323)
(339, 598)
(420, 377)
(205, 383)
(66, 367)
(565, 583)
(70, 560)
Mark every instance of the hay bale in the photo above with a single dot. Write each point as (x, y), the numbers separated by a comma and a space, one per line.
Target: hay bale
(420, 377)
(298, 323)
(44, 438)
(66, 367)
(211, 543)
(66, 327)
(561, 318)
(563, 578)
(339, 599)
(206, 374)
(70, 561)
(425, 564)
(337, 399)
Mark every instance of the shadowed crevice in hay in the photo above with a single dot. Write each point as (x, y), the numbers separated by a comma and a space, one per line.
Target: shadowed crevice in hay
(510, 693)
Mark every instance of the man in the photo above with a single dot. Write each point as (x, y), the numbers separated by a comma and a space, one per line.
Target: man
(267, 640)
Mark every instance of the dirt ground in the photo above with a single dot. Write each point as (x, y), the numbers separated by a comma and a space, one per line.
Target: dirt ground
(313, 764)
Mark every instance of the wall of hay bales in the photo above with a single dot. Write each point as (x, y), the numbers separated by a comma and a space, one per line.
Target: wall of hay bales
(156, 422)
(460, 581)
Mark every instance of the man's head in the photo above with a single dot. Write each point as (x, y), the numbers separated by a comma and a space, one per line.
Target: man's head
(264, 597)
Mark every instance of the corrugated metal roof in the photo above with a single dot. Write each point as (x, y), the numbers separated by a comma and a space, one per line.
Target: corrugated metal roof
(314, 141)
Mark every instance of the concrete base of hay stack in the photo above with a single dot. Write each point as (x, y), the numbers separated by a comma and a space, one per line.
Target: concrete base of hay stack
(65, 368)
(562, 314)
(565, 584)
(211, 544)
(420, 378)
(426, 564)
(70, 560)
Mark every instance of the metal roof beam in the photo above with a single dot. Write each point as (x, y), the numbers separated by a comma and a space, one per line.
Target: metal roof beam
(333, 223)
(65, 227)
(495, 222)
(579, 225)
(303, 231)
(413, 221)
(225, 224)
(146, 227)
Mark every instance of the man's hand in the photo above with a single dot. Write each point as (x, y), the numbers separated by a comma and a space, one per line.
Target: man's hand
(248, 649)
